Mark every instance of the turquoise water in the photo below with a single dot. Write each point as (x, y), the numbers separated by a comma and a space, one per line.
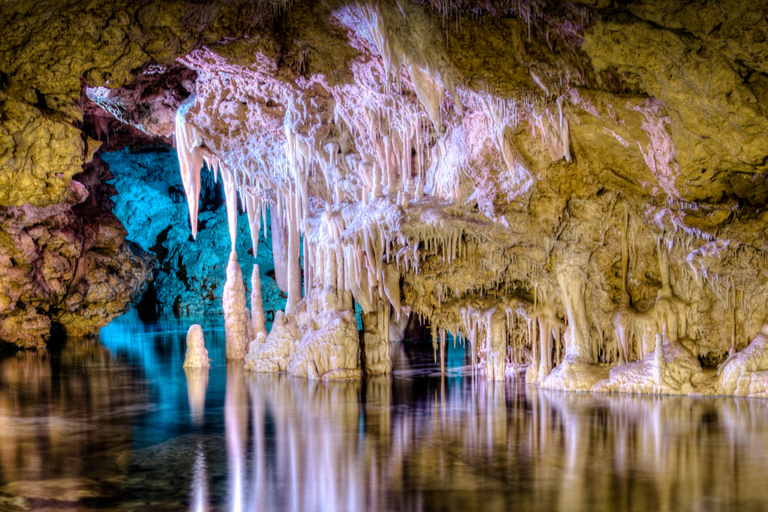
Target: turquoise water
(117, 424)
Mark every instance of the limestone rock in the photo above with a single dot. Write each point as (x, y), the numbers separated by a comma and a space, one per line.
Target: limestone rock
(68, 265)
(561, 184)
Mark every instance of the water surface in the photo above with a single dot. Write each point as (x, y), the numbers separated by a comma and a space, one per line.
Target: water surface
(117, 424)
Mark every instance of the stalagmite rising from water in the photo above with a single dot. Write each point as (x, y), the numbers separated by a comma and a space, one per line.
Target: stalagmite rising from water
(197, 354)
(235, 318)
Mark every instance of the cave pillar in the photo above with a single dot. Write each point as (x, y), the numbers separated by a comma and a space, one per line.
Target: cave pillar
(545, 341)
(573, 283)
(375, 337)
(496, 344)
(258, 318)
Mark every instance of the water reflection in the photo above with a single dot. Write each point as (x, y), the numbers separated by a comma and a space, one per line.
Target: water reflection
(87, 428)
(59, 427)
(490, 446)
(197, 386)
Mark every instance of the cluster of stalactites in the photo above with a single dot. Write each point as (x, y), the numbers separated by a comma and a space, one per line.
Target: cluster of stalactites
(192, 157)
(517, 332)
(394, 154)
(555, 131)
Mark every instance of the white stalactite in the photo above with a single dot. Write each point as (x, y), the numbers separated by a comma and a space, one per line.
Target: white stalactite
(230, 191)
(294, 266)
(253, 209)
(280, 249)
(190, 161)
(258, 319)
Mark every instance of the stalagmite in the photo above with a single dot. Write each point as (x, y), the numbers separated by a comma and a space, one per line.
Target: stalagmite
(258, 319)
(197, 354)
(235, 318)
(249, 333)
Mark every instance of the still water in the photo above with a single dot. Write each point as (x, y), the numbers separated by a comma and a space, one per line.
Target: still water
(117, 424)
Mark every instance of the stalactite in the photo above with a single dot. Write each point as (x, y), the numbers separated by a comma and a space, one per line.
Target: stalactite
(230, 192)
(253, 209)
(258, 318)
(280, 252)
(294, 267)
(190, 161)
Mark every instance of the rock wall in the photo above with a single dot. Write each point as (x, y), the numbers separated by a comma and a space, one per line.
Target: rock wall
(150, 203)
(68, 264)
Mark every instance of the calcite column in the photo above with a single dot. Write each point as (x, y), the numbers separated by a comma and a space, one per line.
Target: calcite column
(572, 281)
(496, 344)
(294, 266)
(258, 318)
(376, 345)
(280, 250)
(545, 352)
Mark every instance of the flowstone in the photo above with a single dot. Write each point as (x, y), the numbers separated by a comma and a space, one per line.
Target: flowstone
(277, 350)
(744, 373)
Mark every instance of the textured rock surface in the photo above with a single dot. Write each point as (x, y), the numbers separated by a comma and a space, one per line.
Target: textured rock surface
(68, 265)
(150, 204)
(329, 348)
(275, 353)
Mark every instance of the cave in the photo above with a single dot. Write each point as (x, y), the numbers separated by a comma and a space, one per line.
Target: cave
(383, 254)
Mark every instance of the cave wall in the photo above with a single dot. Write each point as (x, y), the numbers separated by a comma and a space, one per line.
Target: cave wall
(68, 265)
(150, 203)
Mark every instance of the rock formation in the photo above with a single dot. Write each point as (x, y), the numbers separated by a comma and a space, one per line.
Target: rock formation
(67, 264)
(574, 186)
(197, 354)
(236, 319)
